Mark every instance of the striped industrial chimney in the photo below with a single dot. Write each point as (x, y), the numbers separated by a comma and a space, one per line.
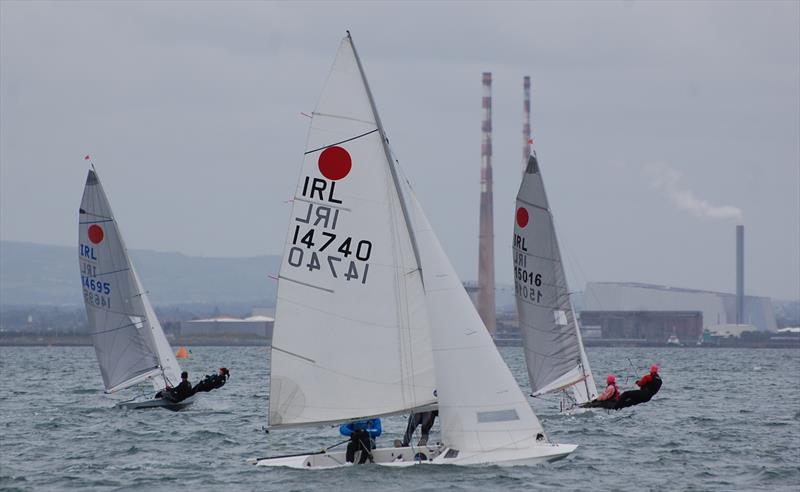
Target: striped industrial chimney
(526, 122)
(486, 303)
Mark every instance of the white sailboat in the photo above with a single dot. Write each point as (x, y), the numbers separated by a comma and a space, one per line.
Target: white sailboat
(128, 340)
(554, 351)
(371, 318)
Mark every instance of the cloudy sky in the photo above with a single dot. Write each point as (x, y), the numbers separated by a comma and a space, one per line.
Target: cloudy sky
(659, 125)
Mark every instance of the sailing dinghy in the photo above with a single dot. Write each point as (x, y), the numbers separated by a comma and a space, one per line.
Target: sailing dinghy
(128, 340)
(371, 318)
(551, 337)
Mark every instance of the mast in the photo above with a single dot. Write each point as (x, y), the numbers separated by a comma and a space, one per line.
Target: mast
(526, 122)
(389, 157)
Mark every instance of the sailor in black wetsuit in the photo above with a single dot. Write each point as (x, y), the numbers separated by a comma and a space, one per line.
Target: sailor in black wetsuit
(180, 392)
(213, 381)
(649, 385)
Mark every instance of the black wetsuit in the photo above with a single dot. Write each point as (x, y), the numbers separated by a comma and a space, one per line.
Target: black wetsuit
(425, 419)
(210, 382)
(635, 397)
(180, 392)
(359, 441)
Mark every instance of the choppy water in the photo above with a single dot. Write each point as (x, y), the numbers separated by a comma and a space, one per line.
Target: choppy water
(724, 419)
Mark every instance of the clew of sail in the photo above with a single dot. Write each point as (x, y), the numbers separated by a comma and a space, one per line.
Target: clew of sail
(117, 308)
(554, 350)
(351, 336)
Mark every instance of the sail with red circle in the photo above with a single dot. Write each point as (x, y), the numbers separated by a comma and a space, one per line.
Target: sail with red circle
(128, 340)
(551, 338)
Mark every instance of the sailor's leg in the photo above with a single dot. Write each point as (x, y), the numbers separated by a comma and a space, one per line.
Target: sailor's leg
(631, 398)
(352, 447)
(365, 444)
(624, 398)
(427, 419)
(413, 421)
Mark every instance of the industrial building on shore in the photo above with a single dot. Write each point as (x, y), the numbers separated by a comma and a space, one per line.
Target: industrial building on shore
(656, 313)
(257, 326)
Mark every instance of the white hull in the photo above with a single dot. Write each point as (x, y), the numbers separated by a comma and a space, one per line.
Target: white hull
(156, 403)
(432, 455)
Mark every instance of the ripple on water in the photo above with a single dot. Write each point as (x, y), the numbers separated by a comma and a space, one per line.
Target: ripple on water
(707, 429)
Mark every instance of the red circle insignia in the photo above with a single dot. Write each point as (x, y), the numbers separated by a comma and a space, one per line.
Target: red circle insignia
(334, 163)
(522, 217)
(96, 234)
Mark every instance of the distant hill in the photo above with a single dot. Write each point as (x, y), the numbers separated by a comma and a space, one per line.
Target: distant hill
(37, 274)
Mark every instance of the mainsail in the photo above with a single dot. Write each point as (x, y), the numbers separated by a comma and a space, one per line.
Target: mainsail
(371, 317)
(554, 351)
(128, 340)
(351, 336)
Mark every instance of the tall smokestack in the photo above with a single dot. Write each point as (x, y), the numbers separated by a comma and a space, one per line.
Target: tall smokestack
(739, 274)
(526, 121)
(486, 304)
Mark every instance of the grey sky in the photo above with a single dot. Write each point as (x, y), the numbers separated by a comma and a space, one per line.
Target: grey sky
(649, 118)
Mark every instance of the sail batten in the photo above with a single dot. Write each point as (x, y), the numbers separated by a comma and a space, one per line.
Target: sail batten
(551, 337)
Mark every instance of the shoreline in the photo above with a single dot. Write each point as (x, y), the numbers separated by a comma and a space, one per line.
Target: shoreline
(200, 341)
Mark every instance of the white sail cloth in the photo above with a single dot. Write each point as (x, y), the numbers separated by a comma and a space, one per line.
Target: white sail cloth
(351, 336)
(128, 341)
(553, 347)
(350, 348)
(481, 407)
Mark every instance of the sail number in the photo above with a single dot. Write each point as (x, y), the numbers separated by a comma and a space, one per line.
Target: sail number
(347, 263)
(527, 277)
(297, 258)
(96, 299)
(346, 246)
(526, 283)
(96, 286)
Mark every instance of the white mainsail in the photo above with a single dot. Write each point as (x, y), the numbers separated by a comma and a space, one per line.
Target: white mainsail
(128, 340)
(402, 329)
(351, 336)
(554, 350)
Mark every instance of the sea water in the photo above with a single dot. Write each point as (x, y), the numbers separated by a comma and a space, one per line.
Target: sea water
(724, 419)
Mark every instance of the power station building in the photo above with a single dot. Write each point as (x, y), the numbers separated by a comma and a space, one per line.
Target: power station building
(226, 326)
(655, 312)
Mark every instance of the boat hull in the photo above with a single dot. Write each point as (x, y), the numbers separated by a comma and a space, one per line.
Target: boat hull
(430, 455)
(157, 403)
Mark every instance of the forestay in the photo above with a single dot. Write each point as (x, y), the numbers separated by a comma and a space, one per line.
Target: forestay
(129, 348)
(553, 348)
(351, 336)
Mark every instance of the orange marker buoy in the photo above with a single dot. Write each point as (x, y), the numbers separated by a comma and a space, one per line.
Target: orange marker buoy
(182, 353)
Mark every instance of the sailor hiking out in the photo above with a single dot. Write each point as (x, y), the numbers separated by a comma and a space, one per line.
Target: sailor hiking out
(213, 381)
(609, 398)
(649, 385)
